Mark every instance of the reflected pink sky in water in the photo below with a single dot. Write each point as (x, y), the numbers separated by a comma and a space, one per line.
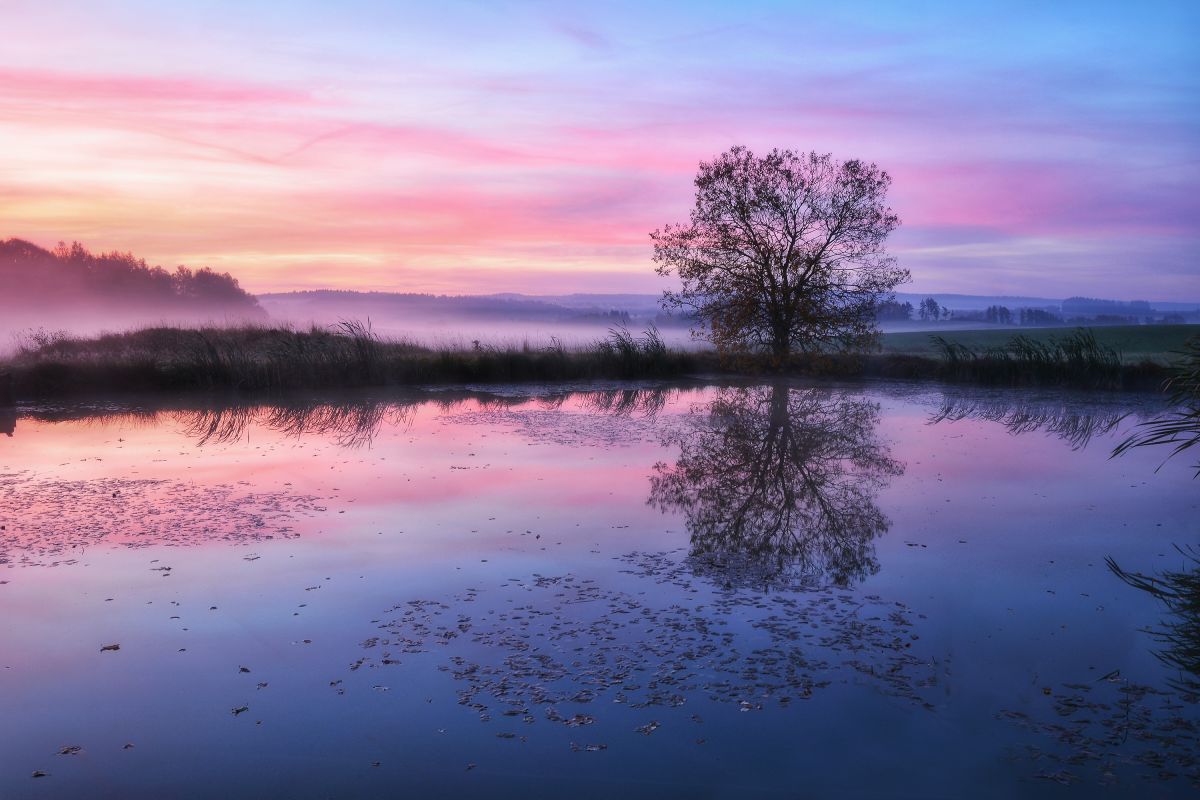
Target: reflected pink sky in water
(996, 540)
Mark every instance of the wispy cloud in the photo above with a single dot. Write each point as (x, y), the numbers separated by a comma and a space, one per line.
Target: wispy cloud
(75, 88)
(510, 143)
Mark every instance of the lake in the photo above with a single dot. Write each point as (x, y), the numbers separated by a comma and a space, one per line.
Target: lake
(740, 590)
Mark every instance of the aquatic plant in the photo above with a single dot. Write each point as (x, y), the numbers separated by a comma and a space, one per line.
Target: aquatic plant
(544, 649)
(1179, 636)
(1180, 427)
(625, 355)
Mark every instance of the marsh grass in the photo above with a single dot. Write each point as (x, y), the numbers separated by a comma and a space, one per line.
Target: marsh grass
(1135, 343)
(1180, 428)
(1077, 359)
(349, 354)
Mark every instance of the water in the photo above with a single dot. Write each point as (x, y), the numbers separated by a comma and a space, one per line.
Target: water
(700, 591)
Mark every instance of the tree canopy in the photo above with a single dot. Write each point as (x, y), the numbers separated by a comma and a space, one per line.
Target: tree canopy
(783, 252)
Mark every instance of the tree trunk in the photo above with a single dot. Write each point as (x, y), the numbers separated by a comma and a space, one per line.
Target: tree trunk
(780, 351)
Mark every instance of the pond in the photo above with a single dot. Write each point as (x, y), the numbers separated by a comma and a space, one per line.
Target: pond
(737, 590)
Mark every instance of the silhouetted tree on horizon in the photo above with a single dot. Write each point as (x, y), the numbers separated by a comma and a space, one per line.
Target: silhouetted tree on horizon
(783, 252)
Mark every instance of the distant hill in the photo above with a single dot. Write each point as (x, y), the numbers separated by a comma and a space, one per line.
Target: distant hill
(634, 310)
(48, 287)
(324, 304)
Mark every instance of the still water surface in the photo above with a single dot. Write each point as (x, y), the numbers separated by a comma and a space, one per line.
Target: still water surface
(786, 590)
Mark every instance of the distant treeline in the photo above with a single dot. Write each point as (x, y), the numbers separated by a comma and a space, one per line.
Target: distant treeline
(33, 278)
(1072, 311)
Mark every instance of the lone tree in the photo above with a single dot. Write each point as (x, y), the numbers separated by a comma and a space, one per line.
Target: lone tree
(783, 253)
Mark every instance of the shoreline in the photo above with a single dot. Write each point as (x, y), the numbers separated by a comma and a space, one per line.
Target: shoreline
(61, 381)
(263, 360)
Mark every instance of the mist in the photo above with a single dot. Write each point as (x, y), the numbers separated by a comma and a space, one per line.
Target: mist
(465, 322)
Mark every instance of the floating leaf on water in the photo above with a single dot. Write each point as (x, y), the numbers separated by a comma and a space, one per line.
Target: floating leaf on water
(648, 728)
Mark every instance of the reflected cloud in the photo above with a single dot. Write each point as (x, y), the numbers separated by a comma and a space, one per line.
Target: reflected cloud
(777, 481)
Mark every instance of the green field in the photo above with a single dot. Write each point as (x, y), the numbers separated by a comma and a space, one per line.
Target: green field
(1135, 343)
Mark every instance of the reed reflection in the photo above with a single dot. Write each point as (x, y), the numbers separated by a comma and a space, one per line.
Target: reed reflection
(1177, 636)
(349, 421)
(646, 402)
(351, 424)
(778, 482)
(1073, 422)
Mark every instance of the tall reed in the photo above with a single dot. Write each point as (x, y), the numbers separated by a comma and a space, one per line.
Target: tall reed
(1076, 359)
(1180, 427)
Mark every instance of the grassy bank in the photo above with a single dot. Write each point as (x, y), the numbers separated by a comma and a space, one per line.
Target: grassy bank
(257, 358)
(1076, 358)
(1133, 343)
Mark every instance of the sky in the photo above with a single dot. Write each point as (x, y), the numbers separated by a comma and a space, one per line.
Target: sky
(1046, 149)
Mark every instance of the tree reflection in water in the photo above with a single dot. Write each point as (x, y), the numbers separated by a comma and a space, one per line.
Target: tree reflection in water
(779, 481)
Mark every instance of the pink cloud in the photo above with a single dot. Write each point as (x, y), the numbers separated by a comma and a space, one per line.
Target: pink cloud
(457, 165)
(1040, 197)
(58, 87)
